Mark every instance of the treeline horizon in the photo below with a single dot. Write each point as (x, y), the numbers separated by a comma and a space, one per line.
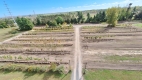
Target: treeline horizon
(78, 17)
(125, 14)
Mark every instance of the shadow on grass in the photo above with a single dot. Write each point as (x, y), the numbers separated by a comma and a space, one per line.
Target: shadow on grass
(51, 74)
(7, 71)
(28, 74)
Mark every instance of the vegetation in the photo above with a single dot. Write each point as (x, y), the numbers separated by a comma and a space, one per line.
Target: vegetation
(138, 25)
(112, 75)
(112, 16)
(24, 24)
(90, 16)
(5, 23)
(33, 68)
(139, 16)
(19, 75)
(7, 33)
(59, 20)
(131, 58)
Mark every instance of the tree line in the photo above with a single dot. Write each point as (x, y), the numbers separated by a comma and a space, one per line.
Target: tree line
(111, 16)
(124, 14)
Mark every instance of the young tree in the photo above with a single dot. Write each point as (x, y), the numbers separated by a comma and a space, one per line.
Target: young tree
(112, 16)
(24, 24)
(53, 67)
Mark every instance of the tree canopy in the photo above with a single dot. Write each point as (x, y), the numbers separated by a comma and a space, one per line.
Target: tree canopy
(59, 19)
(112, 16)
(24, 24)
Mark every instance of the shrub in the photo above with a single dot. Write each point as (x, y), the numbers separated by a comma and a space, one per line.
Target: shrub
(53, 67)
(60, 69)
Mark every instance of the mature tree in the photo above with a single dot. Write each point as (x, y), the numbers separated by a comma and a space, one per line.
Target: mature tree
(134, 11)
(24, 24)
(52, 23)
(74, 21)
(112, 16)
(68, 21)
(99, 17)
(59, 19)
(139, 15)
(122, 14)
(128, 12)
(88, 20)
(38, 21)
(94, 19)
(3, 24)
(103, 16)
(80, 18)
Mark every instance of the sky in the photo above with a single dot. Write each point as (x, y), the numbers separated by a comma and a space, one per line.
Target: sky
(28, 7)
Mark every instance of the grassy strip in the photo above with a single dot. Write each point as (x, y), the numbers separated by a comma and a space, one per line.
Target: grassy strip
(138, 25)
(6, 33)
(32, 72)
(133, 58)
(18, 75)
(32, 68)
(112, 75)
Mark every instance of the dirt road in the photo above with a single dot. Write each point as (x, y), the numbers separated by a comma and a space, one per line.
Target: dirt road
(77, 71)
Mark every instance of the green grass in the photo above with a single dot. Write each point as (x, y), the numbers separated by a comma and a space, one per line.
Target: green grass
(5, 35)
(6, 75)
(124, 58)
(138, 25)
(112, 75)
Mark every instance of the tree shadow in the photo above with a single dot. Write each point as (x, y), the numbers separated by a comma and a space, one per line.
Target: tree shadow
(7, 71)
(28, 74)
(49, 74)
(105, 29)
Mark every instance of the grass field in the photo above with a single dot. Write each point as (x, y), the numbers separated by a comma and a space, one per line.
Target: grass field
(5, 35)
(113, 75)
(32, 76)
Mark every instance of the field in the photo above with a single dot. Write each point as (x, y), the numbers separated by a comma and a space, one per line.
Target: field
(112, 48)
(103, 74)
(39, 54)
(39, 47)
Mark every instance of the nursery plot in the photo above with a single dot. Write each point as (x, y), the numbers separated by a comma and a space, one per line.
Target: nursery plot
(40, 47)
(112, 48)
